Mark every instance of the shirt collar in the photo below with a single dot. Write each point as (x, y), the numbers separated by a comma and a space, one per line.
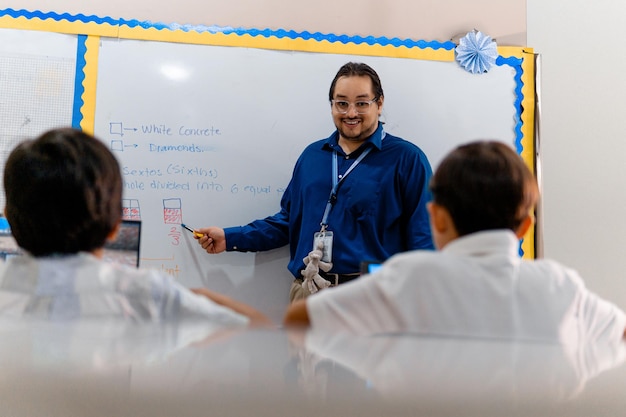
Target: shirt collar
(485, 243)
(376, 139)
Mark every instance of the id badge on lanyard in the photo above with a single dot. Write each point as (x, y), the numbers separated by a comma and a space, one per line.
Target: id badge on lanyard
(324, 238)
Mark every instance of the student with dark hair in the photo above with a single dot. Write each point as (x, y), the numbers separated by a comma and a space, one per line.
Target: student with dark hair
(63, 201)
(476, 284)
(361, 193)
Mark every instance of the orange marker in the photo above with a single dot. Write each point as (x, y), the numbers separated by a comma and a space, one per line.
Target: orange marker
(197, 234)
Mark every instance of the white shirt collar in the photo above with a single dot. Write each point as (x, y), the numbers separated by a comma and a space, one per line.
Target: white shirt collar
(485, 243)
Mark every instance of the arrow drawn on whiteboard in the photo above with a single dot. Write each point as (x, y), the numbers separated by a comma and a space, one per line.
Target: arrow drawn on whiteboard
(134, 145)
(116, 128)
(26, 121)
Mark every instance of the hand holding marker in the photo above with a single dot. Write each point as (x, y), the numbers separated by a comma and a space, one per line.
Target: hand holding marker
(196, 234)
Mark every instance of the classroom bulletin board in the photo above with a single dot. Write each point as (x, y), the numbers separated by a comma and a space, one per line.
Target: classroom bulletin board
(207, 122)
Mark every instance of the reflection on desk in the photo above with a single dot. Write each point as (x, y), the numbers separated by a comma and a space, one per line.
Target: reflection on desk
(474, 370)
(193, 369)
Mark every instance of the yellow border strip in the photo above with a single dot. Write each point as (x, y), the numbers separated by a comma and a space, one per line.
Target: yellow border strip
(528, 132)
(284, 43)
(528, 105)
(206, 37)
(90, 70)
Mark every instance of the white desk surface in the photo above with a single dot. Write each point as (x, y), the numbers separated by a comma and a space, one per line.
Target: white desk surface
(114, 369)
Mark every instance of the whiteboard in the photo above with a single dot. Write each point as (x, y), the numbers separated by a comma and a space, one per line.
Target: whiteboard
(37, 73)
(208, 135)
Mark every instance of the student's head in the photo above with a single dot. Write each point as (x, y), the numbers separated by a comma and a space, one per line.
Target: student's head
(63, 193)
(356, 101)
(482, 185)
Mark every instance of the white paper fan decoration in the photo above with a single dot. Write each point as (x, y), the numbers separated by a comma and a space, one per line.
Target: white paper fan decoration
(476, 52)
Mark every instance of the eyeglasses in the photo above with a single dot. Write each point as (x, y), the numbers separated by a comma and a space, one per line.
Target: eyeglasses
(361, 107)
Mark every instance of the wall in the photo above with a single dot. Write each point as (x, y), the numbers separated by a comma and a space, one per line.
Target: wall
(583, 138)
(415, 19)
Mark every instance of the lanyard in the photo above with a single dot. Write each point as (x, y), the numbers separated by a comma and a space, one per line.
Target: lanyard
(336, 182)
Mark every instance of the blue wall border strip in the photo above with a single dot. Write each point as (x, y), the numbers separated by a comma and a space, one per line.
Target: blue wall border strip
(516, 64)
(79, 89)
(280, 33)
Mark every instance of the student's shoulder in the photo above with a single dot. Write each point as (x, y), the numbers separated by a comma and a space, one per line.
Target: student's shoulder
(551, 270)
(137, 279)
(407, 263)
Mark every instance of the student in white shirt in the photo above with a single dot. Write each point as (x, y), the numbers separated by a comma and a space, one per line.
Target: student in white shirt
(63, 201)
(476, 284)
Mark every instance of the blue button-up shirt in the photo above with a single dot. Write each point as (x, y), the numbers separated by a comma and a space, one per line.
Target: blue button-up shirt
(380, 208)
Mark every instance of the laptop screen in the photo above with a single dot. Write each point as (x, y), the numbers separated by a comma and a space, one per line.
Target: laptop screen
(124, 249)
(369, 266)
